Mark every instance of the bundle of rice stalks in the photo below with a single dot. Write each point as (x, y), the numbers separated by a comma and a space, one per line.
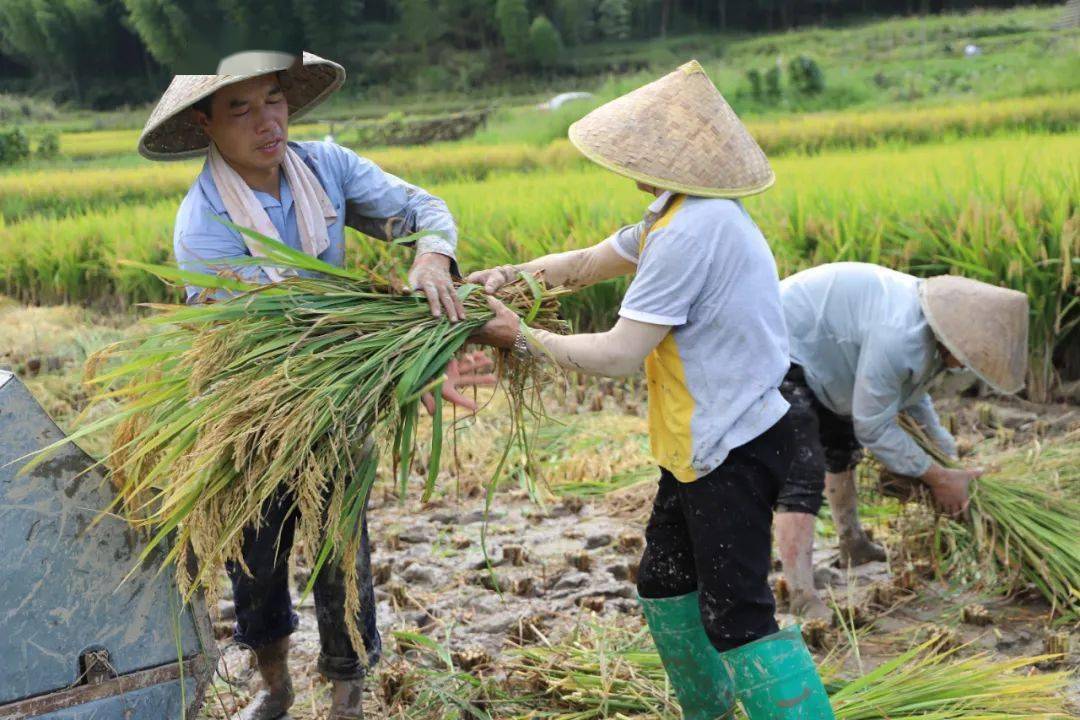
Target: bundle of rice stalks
(1024, 522)
(298, 386)
(609, 672)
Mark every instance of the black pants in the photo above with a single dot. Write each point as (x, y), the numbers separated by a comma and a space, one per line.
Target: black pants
(824, 441)
(714, 535)
(264, 610)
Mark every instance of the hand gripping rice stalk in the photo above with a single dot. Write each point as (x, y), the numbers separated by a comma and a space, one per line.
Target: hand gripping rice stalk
(1025, 521)
(301, 384)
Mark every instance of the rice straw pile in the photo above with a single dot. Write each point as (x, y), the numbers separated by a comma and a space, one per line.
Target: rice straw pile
(300, 384)
(610, 673)
(1025, 521)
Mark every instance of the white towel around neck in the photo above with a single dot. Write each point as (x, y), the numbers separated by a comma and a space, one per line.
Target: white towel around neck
(314, 211)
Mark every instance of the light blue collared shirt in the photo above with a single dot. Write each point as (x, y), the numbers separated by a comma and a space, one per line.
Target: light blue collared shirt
(859, 332)
(364, 197)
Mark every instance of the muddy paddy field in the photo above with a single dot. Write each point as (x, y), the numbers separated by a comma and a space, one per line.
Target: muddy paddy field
(467, 585)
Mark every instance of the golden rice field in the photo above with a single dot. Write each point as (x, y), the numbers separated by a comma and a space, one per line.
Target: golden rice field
(807, 133)
(1001, 209)
(971, 188)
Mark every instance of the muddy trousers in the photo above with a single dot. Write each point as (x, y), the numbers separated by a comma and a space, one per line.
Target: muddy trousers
(703, 586)
(264, 609)
(713, 536)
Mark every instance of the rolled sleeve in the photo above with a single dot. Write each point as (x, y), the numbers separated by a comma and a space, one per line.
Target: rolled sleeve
(626, 241)
(876, 403)
(386, 207)
(670, 275)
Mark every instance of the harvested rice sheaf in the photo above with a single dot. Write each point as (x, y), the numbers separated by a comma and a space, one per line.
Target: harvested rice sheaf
(299, 385)
(1024, 522)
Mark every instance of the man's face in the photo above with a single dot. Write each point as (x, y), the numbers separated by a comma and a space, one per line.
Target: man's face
(249, 122)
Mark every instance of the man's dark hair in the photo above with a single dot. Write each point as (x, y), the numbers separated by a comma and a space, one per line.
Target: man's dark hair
(203, 105)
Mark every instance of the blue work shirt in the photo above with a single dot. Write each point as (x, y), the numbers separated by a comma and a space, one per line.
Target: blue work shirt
(859, 332)
(365, 198)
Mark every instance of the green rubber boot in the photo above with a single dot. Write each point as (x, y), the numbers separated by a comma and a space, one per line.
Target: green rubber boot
(692, 663)
(775, 678)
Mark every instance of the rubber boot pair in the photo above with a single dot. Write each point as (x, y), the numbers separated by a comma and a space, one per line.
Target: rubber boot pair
(773, 678)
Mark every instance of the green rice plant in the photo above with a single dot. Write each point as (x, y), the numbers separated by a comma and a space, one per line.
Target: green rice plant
(299, 385)
(815, 132)
(1021, 531)
(72, 189)
(68, 189)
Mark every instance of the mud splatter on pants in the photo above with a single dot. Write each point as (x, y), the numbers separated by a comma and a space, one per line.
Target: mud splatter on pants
(714, 535)
(264, 610)
(824, 441)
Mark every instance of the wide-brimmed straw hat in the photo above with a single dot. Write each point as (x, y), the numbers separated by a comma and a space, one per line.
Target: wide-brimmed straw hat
(677, 133)
(171, 132)
(984, 326)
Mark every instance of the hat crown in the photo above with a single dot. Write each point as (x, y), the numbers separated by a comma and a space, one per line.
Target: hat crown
(676, 133)
(984, 326)
(255, 62)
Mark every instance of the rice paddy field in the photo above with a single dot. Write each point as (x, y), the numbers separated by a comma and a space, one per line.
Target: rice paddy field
(985, 186)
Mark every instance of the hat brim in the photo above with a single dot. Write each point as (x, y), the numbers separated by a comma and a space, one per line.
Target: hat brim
(666, 183)
(1003, 381)
(171, 133)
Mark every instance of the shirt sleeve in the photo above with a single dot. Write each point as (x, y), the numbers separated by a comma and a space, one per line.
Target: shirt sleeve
(208, 253)
(922, 411)
(671, 272)
(879, 381)
(619, 352)
(385, 207)
(625, 241)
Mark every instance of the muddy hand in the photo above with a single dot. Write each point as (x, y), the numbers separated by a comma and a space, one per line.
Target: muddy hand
(494, 278)
(430, 274)
(950, 488)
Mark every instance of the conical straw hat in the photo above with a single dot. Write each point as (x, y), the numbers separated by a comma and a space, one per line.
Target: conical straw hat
(171, 132)
(984, 326)
(677, 133)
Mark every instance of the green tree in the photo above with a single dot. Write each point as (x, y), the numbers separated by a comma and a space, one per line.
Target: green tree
(470, 23)
(191, 36)
(334, 39)
(421, 25)
(544, 42)
(513, 19)
(574, 19)
(69, 41)
(614, 22)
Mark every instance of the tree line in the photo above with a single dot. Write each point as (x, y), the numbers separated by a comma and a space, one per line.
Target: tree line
(103, 53)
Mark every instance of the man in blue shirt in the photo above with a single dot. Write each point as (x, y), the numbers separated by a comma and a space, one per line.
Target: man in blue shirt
(302, 194)
(866, 342)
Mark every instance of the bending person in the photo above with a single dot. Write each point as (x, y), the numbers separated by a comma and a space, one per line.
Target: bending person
(866, 342)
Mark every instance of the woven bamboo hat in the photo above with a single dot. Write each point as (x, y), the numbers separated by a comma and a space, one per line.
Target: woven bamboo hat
(171, 132)
(677, 133)
(984, 326)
